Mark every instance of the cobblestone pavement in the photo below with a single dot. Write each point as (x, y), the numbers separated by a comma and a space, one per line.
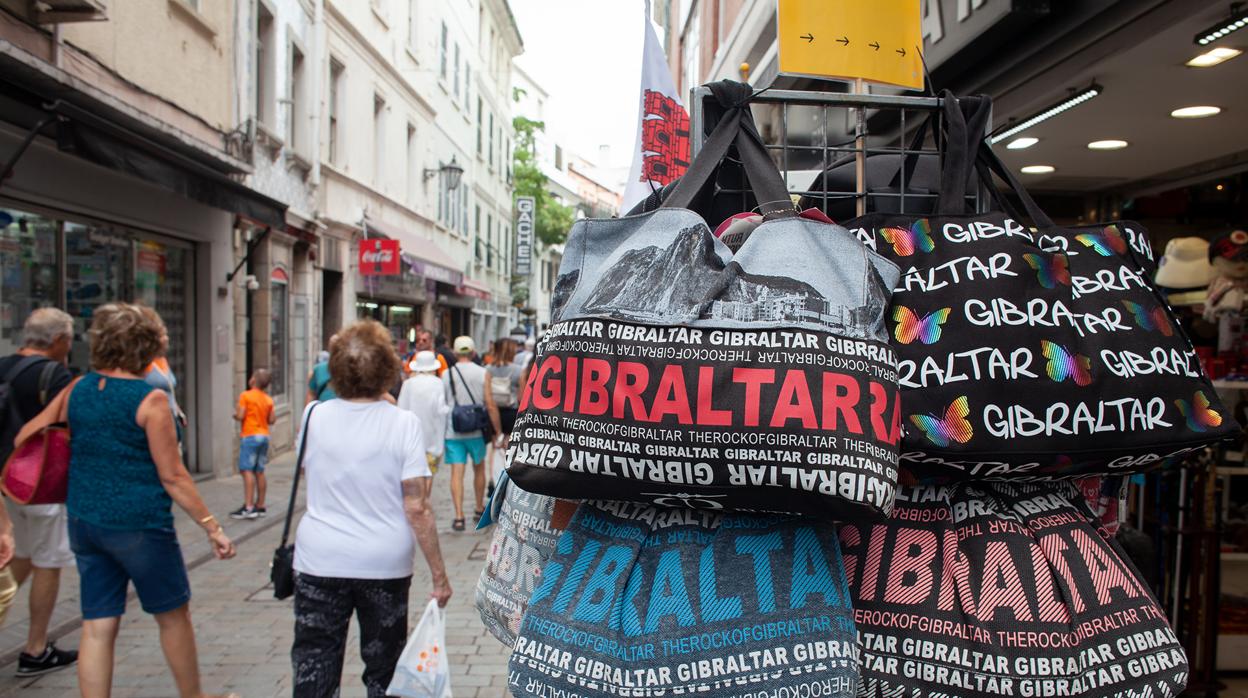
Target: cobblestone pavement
(244, 635)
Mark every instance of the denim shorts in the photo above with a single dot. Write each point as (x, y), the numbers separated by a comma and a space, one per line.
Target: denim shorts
(253, 454)
(108, 559)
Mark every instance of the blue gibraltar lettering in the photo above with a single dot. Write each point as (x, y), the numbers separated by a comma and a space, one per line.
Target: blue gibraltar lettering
(714, 609)
(550, 575)
(575, 574)
(760, 548)
(602, 585)
(669, 576)
(810, 571)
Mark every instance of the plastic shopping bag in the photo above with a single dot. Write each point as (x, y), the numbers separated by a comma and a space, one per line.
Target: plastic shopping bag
(423, 671)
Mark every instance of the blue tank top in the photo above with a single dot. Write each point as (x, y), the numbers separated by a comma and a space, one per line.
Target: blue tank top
(112, 479)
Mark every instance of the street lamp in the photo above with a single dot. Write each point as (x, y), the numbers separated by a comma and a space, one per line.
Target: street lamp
(451, 170)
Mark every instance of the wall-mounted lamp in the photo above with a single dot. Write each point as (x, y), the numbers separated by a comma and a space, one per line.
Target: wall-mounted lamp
(451, 170)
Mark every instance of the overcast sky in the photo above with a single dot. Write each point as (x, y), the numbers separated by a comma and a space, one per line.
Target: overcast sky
(587, 55)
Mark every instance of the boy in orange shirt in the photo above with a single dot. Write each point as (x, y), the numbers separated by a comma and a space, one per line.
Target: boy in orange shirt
(255, 412)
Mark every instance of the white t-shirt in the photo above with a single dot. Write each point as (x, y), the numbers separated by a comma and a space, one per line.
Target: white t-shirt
(358, 454)
(465, 373)
(424, 396)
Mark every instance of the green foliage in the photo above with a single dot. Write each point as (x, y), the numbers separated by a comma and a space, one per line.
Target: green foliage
(553, 219)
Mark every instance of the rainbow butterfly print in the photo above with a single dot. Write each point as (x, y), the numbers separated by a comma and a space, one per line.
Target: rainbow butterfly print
(1199, 415)
(906, 241)
(953, 427)
(1106, 242)
(911, 327)
(1064, 364)
(1150, 319)
(1052, 270)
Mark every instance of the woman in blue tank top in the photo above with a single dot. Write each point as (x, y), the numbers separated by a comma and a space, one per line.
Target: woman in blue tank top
(125, 473)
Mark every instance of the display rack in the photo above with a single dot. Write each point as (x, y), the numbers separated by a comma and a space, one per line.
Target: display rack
(802, 159)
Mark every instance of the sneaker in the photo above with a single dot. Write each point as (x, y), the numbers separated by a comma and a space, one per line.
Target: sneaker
(259, 511)
(243, 513)
(51, 660)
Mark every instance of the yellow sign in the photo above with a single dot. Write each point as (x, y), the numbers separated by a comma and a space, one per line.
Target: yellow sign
(876, 40)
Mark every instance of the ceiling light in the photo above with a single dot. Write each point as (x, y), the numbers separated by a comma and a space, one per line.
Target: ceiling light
(1195, 112)
(1047, 113)
(1236, 21)
(1107, 145)
(1211, 58)
(1024, 142)
(1220, 187)
(1037, 169)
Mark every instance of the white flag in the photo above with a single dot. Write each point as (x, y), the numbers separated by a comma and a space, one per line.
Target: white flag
(661, 153)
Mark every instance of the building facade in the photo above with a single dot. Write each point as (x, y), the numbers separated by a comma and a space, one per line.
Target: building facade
(415, 136)
(127, 185)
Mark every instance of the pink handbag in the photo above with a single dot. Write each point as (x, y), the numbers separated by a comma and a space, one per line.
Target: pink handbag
(37, 471)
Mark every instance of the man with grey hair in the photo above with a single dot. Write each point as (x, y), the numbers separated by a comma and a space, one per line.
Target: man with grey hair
(30, 379)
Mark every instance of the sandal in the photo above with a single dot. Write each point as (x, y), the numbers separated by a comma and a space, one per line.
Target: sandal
(478, 514)
(457, 525)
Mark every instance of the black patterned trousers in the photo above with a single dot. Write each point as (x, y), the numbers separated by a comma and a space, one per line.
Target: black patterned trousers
(323, 608)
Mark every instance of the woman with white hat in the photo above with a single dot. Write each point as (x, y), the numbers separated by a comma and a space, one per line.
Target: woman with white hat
(424, 395)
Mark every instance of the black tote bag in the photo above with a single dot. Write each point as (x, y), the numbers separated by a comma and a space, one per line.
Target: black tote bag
(1033, 352)
(683, 374)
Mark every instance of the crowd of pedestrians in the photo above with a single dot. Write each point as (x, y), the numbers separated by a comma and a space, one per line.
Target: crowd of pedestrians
(377, 426)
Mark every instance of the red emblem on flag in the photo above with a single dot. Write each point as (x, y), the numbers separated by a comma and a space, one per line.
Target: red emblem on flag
(664, 139)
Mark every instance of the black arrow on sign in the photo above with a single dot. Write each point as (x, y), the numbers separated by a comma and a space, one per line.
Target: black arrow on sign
(902, 51)
(808, 37)
(875, 45)
(843, 40)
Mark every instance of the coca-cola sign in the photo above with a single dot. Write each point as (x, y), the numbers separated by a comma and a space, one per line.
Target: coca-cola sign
(379, 257)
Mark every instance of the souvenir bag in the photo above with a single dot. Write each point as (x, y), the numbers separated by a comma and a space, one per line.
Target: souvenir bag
(1028, 353)
(1003, 589)
(680, 373)
(524, 539)
(652, 601)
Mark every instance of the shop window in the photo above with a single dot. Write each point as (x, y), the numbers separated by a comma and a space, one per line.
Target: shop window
(162, 280)
(98, 270)
(278, 321)
(30, 278)
(336, 85)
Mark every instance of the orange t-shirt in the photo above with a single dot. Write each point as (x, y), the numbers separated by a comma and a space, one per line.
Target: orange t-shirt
(257, 406)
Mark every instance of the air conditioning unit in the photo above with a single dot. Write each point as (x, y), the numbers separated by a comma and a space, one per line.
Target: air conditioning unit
(61, 11)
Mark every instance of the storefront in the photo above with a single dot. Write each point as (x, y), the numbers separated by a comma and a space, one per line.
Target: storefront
(109, 204)
(397, 301)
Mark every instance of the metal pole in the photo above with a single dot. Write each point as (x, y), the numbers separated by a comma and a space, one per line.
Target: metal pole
(860, 150)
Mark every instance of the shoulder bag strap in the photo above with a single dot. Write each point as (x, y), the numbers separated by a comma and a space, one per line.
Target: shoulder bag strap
(22, 364)
(45, 381)
(466, 388)
(294, 488)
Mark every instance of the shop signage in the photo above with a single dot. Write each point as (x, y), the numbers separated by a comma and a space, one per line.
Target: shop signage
(877, 41)
(948, 26)
(379, 257)
(525, 214)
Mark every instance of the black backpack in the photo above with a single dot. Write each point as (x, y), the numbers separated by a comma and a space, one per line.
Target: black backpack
(12, 419)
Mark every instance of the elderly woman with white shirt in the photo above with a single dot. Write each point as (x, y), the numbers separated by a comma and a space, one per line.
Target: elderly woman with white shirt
(367, 504)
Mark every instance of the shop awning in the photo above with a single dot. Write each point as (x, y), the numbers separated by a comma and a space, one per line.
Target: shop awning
(94, 125)
(474, 289)
(422, 255)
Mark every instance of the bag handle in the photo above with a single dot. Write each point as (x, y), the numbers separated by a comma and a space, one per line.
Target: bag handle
(964, 135)
(989, 163)
(294, 488)
(911, 161)
(735, 127)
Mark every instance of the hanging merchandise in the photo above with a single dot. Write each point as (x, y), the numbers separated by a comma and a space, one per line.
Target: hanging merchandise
(1000, 590)
(1185, 265)
(524, 539)
(1033, 354)
(648, 601)
(682, 374)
